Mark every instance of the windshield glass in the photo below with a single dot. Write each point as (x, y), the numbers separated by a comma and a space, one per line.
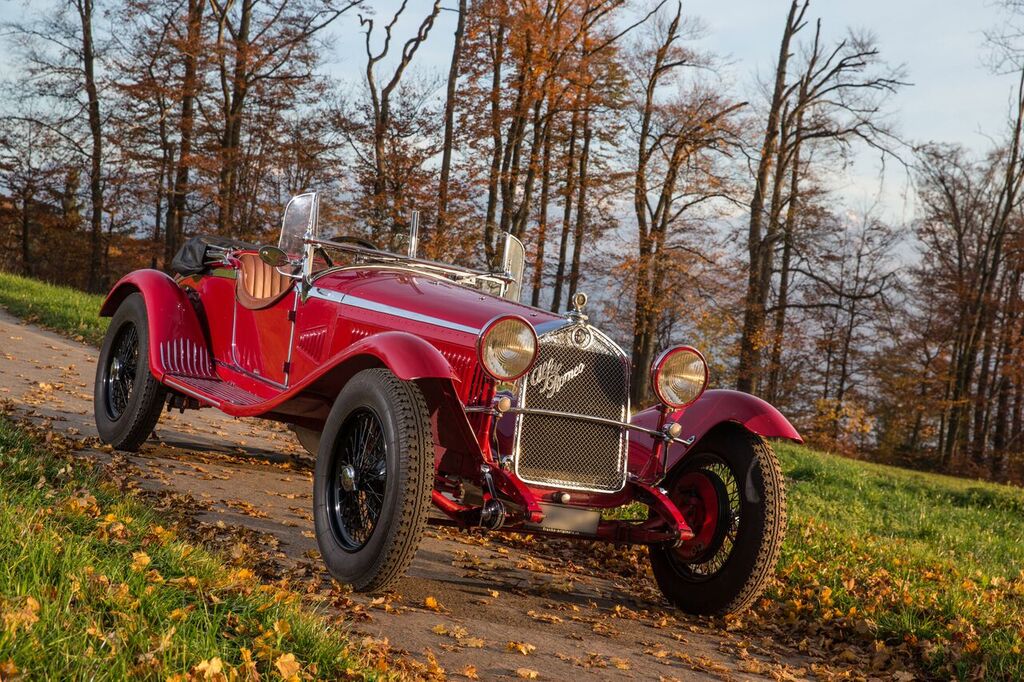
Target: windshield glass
(299, 216)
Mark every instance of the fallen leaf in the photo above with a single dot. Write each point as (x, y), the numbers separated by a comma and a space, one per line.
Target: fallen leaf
(432, 604)
(524, 648)
(287, 665)
(470, 672)
(140, 560)
(527, 674)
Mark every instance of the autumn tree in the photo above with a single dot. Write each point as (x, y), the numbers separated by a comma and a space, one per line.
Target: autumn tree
(833, 95)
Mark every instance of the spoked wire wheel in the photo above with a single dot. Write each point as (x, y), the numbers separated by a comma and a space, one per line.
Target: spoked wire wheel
(708, 495)
(732, 495)
(373, 480)
(358, 479)
(119, 374)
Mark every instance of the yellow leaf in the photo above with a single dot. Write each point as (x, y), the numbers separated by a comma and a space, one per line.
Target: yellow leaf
(620, 663)
(432, 604)
(527, 674)
(522, 647)
(140, 560)
(211, 669)
(282, 627)
(470, 672)
(439, 629)
(22, 618)
(287, 665)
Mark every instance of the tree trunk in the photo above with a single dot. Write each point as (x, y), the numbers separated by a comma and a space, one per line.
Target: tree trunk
(581, 207)
(570, 190)
(748, 370)
(493, 176)
(27, 200)
(542, 222)
(782, 300)
(231, 136)
(85, 9)
(174, 226)
(449, 122)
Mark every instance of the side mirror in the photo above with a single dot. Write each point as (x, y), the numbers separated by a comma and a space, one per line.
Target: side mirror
(273, 256)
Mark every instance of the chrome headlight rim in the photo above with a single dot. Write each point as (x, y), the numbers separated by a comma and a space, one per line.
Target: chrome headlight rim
(482, 339)
(658, 365)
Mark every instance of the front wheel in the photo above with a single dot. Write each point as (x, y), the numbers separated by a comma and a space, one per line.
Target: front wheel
(373, 480)
(730, 490)
(127, 399)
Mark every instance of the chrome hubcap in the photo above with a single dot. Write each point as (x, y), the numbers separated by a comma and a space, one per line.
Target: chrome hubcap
(348, 478)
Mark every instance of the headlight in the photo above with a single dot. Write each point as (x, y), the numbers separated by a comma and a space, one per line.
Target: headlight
(679, 376)
(507, 347)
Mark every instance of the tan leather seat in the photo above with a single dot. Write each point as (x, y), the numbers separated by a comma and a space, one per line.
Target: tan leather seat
(259, 285)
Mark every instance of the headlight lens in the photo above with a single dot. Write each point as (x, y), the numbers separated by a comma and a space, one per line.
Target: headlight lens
(507, 348)
(680, 375)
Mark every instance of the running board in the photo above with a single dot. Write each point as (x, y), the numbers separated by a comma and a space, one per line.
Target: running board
(211, 391)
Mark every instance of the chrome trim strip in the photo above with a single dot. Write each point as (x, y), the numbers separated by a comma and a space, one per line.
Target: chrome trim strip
(374, 306)
(579, 417)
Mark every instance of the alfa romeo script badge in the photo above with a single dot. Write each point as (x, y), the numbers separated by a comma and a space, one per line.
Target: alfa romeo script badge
(550, 378)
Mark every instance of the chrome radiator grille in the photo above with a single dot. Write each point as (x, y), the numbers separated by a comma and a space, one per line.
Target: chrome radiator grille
(578, 371)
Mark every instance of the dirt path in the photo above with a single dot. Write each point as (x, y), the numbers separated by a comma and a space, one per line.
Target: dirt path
(574, 609)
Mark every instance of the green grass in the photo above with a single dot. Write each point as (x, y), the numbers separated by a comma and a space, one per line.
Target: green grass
(93, 586)
(931, 562)
(61, 309)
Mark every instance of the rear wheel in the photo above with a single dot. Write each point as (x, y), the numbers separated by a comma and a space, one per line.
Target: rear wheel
(731, 493)
(373, 480)
(127, 399)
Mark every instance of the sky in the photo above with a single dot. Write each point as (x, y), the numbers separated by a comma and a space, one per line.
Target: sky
(954, 96)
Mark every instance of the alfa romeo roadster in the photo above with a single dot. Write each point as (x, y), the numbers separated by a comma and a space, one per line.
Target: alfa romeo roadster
(428, 394)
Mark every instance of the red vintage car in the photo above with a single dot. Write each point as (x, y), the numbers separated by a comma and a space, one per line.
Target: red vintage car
(418, 384)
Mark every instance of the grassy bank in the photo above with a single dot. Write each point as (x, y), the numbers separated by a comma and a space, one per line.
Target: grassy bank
(930, 563)
(93, 586)
(61, 309)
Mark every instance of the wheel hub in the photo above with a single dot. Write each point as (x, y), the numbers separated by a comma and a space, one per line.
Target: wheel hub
(347, 476)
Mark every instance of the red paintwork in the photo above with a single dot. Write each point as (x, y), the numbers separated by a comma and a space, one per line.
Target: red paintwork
(171, 315)
(422, 328)
(713, 408)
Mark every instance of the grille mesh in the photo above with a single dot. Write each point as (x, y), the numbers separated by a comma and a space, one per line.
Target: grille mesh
(591, 381)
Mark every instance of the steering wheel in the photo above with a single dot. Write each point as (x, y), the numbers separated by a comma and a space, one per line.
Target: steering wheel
(358, 241)
(322, 252)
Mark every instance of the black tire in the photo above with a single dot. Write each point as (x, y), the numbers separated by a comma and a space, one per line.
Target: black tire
(347, 486)
(728, 572)
(127, 399)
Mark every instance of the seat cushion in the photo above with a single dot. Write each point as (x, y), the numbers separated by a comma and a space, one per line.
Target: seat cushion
(259, 285)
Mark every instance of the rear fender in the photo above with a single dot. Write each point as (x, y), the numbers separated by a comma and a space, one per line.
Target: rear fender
(713, 409)
(177, 344)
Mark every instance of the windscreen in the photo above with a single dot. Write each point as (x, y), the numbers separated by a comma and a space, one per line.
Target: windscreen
(299, 216)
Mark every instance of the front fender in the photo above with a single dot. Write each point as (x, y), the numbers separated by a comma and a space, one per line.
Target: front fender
(714, 408)
(176, 341)
(408, 356)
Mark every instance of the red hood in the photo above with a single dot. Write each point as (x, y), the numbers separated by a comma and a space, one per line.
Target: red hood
(427, 295)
